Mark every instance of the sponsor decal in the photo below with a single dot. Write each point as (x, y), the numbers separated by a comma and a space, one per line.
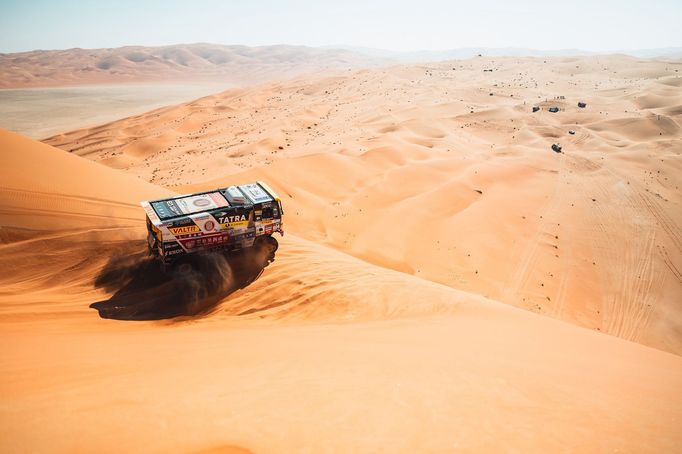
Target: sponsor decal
(184, 230)
(209, 225)
(232, 218)
(208, 240)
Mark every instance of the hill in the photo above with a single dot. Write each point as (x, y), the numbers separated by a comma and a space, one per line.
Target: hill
(232, 65)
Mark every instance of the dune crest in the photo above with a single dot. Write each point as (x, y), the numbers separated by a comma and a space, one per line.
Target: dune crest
(196, 62)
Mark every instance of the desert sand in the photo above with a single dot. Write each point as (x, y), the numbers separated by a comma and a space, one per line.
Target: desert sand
(446, 283)
(445, 173)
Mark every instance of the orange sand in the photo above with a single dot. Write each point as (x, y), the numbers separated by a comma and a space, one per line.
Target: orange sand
(382, 324)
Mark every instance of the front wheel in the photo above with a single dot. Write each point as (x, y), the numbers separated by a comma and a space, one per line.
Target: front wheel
(266, 246)
(260, 255)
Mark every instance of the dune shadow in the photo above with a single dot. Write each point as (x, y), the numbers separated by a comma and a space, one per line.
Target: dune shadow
(143, 290)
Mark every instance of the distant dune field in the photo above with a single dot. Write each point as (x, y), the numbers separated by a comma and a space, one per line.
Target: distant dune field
(232, 65)
(43, 93)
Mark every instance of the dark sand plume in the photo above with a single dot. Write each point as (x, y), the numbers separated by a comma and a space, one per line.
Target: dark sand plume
(144, 290)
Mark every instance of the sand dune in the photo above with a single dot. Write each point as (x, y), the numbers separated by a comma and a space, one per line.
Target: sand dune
(442, 171)
(46, 189)
(322, 341)
(208, 62)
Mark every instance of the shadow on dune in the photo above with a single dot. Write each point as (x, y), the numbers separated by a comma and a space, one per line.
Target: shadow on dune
(143, 291)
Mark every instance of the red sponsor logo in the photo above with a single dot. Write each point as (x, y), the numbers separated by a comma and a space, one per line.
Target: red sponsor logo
(209, 225)
(208, 240)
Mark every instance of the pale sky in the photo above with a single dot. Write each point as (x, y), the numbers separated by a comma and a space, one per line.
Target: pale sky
(595, 25)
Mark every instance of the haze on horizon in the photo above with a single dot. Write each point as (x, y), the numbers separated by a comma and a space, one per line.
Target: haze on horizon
(426, 25)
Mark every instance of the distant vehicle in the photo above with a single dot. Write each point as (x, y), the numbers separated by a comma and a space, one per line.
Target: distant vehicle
(556, 147)
(582, 105)
(535, 108)
(229, 219)
(553, 109)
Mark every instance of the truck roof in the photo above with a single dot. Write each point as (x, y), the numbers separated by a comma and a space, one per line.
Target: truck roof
(232, 196)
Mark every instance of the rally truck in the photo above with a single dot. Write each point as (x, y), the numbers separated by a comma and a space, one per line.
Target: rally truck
(229, 219)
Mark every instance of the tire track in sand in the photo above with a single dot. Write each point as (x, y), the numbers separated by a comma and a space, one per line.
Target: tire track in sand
(624, 240)
(530, 252)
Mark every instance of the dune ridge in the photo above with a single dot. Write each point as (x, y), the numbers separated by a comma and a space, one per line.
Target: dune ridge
(239, 65)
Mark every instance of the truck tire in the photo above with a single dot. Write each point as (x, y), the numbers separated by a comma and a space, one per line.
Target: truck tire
(267, 246)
